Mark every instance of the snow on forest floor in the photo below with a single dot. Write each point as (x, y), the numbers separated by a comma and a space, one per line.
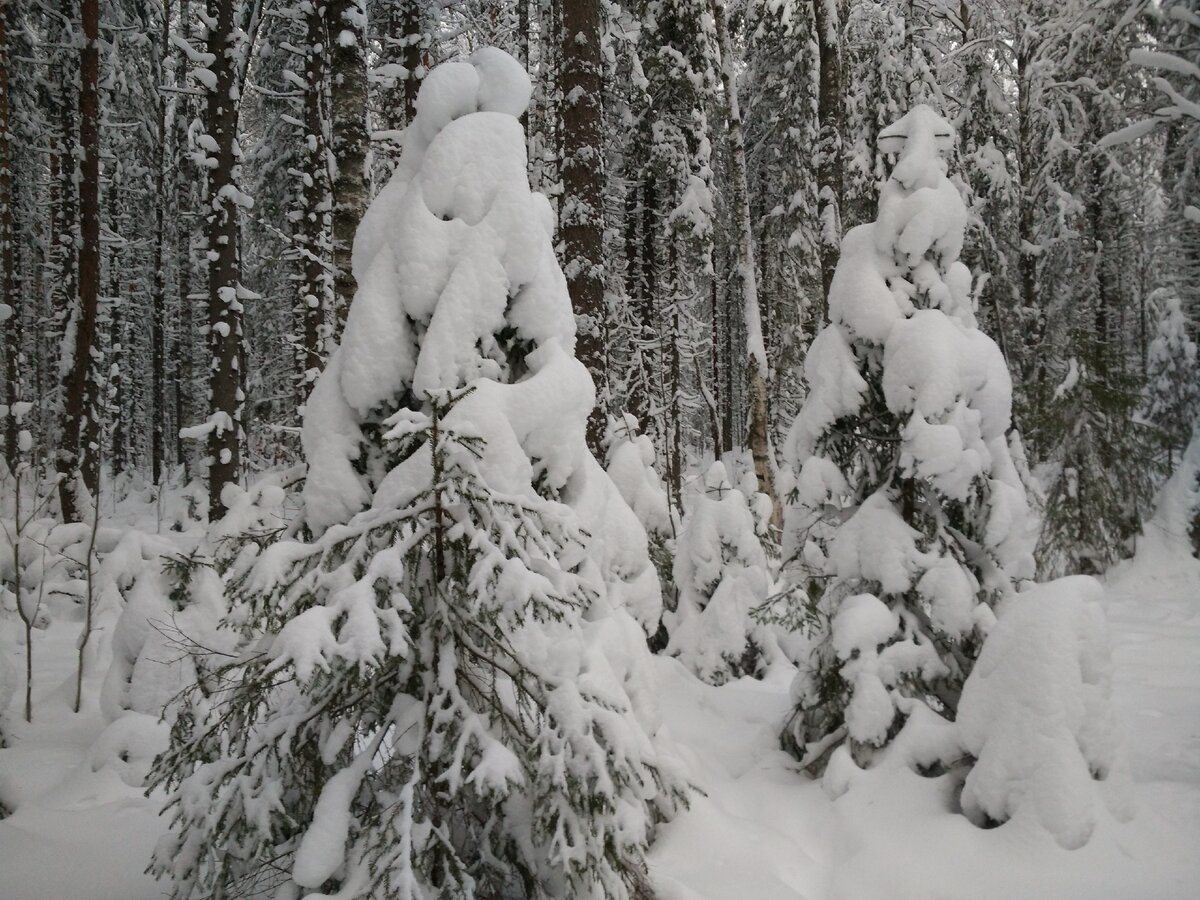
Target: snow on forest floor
(766, 833)
(761, 831)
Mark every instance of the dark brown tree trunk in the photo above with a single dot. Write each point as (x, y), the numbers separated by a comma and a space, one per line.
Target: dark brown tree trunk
(8, 282)
(78, 456)
(156, 406)
(409, 25)
(582, 208)
(314, 300)
(119, 454)
(714, 396)
(675, 413)
(1106, 300)
(827, 24)
(645, 305)
(183, 339)
(224, 264)
(523, 37)
(728, 391)
(1026, 156)
(348, 107)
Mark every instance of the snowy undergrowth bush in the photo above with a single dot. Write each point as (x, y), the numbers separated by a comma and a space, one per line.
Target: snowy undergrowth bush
(1035, 742)
(907, 521)
(721, 575)
(47, 569)
(629, 462)
(1171, 397)
(1173, 531)
(172, 604)
(162, 606)
(442, 693)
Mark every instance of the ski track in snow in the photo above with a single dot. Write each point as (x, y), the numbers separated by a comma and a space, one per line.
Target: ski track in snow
(760, 831)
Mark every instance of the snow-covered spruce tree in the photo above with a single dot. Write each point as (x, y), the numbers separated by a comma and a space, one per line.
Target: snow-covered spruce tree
(439, 694)
(906, 521)
(721, 573)
(1171, 397)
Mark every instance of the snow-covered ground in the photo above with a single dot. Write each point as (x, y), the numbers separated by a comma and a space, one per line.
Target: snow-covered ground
(761, 831)
(767, 833)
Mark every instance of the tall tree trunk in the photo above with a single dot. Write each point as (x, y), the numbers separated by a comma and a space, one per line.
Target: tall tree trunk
(156, 407)
(78, 456)
(114, 362)
(523, 36)
(712, 396)
(1026, 166)
(64, 272)
(827, 24)
(758, 436)
(183, 338)
(349, 142)
(408, 28)
(224, 264)
(581, 213)
(674, 411)
(314, 202)
(119, 453)
(9, 299)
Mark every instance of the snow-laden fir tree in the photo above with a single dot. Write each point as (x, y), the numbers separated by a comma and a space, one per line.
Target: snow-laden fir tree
(907, 518)
(1171, 397)
(721, 575)
(441, 693)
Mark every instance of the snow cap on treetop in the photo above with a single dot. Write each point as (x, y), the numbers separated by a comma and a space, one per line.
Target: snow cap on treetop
(716, 480)
(491, 81)
(923, 139)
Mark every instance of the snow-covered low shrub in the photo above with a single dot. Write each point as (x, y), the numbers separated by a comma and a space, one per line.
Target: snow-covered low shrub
(629, 461)
(1171, 396)
(721, 574)
(128, 746)
(166, 637)
(1175, 525)
(1036, 714)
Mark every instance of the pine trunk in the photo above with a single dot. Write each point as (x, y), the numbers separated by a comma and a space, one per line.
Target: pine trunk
(79, 450)
(183, 338)
(829, 145)
(8, 282)
(758, 436)
(408, 27)
(314, 210)
(156, 407)
(349, 141)
(582, 210)
(224, 302)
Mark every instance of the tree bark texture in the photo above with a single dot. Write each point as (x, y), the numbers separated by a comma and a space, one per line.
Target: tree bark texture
(581, 214)
(349, 141)
(224, 265)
